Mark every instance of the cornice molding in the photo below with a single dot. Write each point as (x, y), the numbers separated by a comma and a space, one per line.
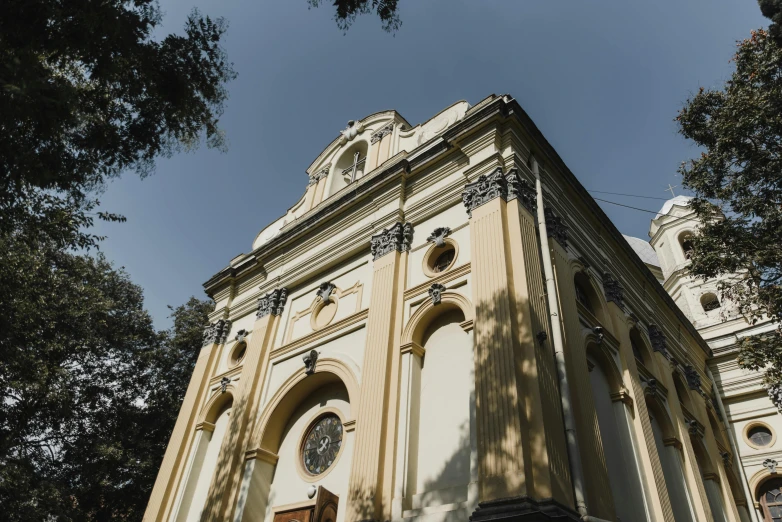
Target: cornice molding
(445, 277)
(302, 342)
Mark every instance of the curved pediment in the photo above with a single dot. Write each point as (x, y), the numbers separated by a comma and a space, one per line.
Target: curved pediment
(361, 147)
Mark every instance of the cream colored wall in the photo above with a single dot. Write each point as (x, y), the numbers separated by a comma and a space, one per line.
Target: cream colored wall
(290, 484)
(444, 429)
(672, 464)
(619, 452)
(202, 470)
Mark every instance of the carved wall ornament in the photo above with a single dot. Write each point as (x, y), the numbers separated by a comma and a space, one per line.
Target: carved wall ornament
(633, 317)
(613, 290)
(692, 376)
(598, 331)
(438, 236)
(241, 335)
(725, 459)
(325, 290)
(658, 340)
(486, 188)
(521, 189)
(353, 129)
(272, 303)
(436, 293)
(399, 237)
(775, 394)
(651, 388)
(322, 173)
(771, 465)
(542, 336)
(381, 133)
(695, 428)
(217, 332)
(555, 227)
(224, 382)
(310, 358)
(585, 263)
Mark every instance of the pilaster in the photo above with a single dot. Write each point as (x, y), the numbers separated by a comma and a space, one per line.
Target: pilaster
(230, 464)
(598, 489)
(162, 497)
(659, 500)
(547, 470)
(366, 492)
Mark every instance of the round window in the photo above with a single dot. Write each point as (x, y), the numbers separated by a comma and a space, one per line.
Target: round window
(760, 436)
(322, 443)
(444, 260)
(238, 353)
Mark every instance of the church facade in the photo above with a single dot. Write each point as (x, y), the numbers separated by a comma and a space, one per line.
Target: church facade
(447, 327)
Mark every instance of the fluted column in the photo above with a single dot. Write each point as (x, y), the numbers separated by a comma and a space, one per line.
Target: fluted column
(659, 500)
(169, 475)
(365, 489)
(547, 468)
(692, 472)
(598, 489)
(227, 478)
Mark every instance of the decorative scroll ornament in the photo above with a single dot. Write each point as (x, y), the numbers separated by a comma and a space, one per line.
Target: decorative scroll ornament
(555, 227)
(485, 189)
(542, 336)
(272, 303)
(353, 129)
(598, 331)
(224, 382)
(771, 465)
(436, 293)
(241, 336)
(651, 388)
(613, 290)
(775, 394)
(692, 376)
(725, 459)
(324, 291)
(382, 132)
(217, 332)
(310, 359)
(438, 236)
(658, 340)
(521, 189)
(695, 428)
(397, 238)
(322, 173)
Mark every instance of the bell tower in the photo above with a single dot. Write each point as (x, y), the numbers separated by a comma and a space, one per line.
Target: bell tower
(671, 233)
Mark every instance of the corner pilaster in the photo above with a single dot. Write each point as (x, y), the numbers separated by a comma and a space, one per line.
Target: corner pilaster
(161, 499)
(225, 484)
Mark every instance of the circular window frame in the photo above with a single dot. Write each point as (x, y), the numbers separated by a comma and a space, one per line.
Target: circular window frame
(434, 252)
(303, 473)
(320, 305)
(756, 424)
(233, 360)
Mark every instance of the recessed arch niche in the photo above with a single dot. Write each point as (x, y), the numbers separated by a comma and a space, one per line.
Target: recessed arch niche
(613, 419)
(274, 473)
(436, 437)
(209, 435)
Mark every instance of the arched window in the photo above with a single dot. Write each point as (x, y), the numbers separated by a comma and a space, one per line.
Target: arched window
(639, 349)
(583, 293)
(685, 240)
(709, 302)
(771, 500)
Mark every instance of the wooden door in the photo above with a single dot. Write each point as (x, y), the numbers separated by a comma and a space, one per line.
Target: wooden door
(296, 515)
(326, 504)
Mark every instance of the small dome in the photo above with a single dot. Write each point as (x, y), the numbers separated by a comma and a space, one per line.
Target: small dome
(643, 249)
(681, 201)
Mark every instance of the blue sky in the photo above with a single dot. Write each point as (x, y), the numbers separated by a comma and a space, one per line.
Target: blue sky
(602, 80)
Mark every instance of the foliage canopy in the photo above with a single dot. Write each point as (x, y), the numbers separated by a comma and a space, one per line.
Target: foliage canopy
(737, 181)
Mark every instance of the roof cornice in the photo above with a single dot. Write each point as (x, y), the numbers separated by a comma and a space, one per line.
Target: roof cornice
(501, 107)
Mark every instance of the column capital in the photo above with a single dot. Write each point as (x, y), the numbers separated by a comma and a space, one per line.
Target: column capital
(397, 238)
(658, 340)
(556, 227)
(272, 303)
(217, 332)
(613, 290)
